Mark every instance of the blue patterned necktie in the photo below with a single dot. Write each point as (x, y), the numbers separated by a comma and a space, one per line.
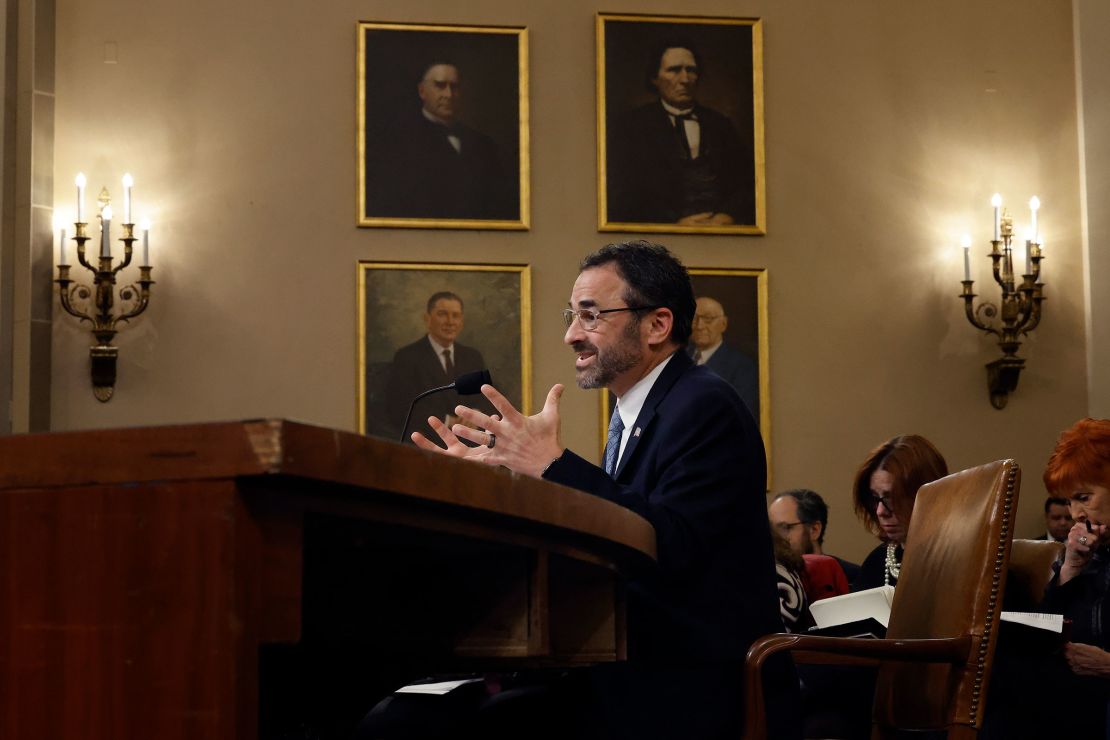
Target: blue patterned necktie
(613, 444)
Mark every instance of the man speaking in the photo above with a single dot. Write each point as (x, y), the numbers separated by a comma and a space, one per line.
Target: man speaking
(685, 454)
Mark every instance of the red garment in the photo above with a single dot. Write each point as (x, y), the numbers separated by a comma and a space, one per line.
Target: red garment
(824, 577)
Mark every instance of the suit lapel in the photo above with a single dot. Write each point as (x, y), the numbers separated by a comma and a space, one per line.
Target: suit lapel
(678, 364)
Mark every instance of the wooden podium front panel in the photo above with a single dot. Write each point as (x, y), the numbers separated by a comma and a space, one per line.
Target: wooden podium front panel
(124, 613)
(141, 578)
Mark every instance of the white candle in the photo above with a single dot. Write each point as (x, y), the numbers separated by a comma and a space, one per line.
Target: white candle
(965, 241)
(996, 201)
(1034, 204)
(106, 232)
(127, 183)
(1028, 257)
(146, 242)
(62, 247)
(80, 197)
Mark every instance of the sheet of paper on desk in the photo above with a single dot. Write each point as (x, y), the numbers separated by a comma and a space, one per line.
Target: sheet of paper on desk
(439, 688)
(1050, 622)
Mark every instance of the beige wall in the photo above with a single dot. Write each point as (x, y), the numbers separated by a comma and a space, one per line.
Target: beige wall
(1092, 23)
(883, 145)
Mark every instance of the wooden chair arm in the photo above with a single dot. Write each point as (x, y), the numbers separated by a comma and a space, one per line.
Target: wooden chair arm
(852, 650)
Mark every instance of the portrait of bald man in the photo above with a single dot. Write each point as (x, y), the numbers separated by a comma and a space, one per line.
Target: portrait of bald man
(707, 347)
(441, 134)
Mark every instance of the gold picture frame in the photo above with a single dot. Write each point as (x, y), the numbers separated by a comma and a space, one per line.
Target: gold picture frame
(742, 294)
(442, 138)
(393, 361)
(645, 183)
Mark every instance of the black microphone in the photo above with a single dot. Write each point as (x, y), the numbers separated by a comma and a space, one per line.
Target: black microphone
(466, 384)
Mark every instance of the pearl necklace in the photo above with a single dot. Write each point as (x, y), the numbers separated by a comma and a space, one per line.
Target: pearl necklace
(893, 567)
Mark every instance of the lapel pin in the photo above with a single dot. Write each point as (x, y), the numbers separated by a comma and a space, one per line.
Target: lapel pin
(636, 432)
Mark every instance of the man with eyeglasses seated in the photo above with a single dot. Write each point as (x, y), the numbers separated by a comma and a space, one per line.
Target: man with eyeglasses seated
(801, 516)
(684, 453)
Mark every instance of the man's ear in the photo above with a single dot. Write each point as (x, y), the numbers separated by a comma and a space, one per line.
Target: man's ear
(816, 530)
(660, 326)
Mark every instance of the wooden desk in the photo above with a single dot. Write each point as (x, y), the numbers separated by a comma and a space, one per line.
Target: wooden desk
(142, 569)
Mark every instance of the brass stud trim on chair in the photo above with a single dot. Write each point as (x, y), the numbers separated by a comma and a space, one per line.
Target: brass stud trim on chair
(992, 603)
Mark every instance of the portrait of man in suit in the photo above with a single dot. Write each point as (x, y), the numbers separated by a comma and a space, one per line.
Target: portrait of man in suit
(679, 152)
(432, 361)
(440, 133)
(707, 347)
(422, 326)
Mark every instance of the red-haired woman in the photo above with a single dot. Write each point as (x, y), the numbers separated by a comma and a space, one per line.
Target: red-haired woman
(884, 491)
(1079, 471)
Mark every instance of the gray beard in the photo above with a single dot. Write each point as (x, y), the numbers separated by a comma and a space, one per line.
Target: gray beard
(614, 361)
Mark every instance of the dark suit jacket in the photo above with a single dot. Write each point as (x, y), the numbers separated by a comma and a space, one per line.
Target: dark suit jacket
(693, 467)
(644, 173)
(415, 369)
(412, 171)
(740, 372)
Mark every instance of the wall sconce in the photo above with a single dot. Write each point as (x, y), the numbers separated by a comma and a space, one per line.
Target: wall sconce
(100, 298)
(1021, 304)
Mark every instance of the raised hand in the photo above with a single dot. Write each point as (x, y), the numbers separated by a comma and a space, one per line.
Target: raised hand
(455, 448)
(525, 444)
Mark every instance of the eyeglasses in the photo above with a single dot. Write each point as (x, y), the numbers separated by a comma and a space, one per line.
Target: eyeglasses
(785, 527)
(589, 317)
(875, 500)
(702, 319)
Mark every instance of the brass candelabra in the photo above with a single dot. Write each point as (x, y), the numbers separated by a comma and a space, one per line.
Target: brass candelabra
(99, 299)
(1019, 312)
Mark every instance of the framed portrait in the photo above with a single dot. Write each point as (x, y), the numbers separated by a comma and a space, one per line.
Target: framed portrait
(442, 126)
(680, 124)
(730, 337)
(421, 326)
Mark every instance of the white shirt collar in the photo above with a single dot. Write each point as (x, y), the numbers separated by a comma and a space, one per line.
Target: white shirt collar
(631, 403)
(707, 353)
(675, 111)
(440, 347)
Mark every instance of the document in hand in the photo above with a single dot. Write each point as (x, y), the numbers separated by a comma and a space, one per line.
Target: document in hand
(1034, 631)
(1050, 622)
(859, 614)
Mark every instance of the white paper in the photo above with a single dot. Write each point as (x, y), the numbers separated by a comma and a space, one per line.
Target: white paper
(874, 603)
(1050, 622)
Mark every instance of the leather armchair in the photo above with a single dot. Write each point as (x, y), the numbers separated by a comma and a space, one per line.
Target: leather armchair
(934, 664)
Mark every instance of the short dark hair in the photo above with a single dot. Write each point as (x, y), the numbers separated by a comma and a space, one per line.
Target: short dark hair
(655, 277)
(811, 508)
(655, 58)
(1055, 501)
(444, 295)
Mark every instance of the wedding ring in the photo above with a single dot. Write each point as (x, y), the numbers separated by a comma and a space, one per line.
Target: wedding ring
(1082, 540)
(493, 441)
